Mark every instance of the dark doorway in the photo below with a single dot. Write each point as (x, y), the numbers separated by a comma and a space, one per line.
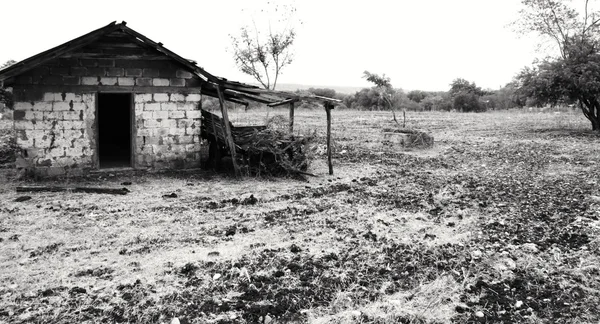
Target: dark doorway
(114, 130)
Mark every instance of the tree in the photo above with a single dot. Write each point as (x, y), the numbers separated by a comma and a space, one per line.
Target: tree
(383, 86)
(417, 95)
(6, 96)
(263, 54)
(7, 64)
(465, 96)
(574, 74)
(323, 92)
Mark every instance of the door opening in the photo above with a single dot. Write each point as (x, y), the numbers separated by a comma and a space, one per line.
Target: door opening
(114, 130)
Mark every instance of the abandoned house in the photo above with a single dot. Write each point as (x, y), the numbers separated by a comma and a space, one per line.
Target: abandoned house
(113, 98)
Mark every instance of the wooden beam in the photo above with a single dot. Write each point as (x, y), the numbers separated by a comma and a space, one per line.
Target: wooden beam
(283, 102)
(111, 191)
(228, 134)
(292, 117)
(328, 107)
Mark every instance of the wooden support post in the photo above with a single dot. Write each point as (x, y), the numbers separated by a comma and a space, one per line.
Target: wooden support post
(292, 117)
(328, 107)
(228, 134)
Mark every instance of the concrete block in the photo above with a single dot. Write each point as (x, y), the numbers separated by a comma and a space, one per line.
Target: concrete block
(193, 83)
(52, 115)
(133, 72)
(150, 73)
(158, 82)
(147, 115)
(190, 148)
(176, 131)
(193, 131)
(22, 106)
(89, 81)
(74, 151)
(71, 134)
(61, 106)
(175, 97)
(79, 105)
(152, 106)
(42, 106)
(143, 97)
(71, 80)
(143, 82)
(161, 97)
(115, 72)
(24, 79)
(168, 106)
(78, 71)
(71, 115)
(88, 98)
(55, 70)
(168, 123)
(108, 81)
(72, 97)
(51, 96)
(89, 62)
(54, 152)
(193, 97)
(33, 115)
(141, 132)
(126, 81)
(193, 114)
(183, 74)
(161, 132)
(96, 71)
(175, 82)
(151, 123)
(24, 141)
(176, 114)
(186, 139)
(160, 114)
(74, 124)
(106, 63)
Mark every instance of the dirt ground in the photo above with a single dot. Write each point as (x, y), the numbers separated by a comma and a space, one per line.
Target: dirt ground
(497, 223)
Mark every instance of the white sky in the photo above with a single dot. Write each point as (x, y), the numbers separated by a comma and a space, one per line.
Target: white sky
(419, 44)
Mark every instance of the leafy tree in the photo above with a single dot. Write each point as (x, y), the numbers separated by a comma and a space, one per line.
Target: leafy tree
(574, 74)
(417, 95)
(465, 96)
(383, 86)
(323, 92)
(460, 85)
(5, 96)
(263, 54)
(7, 64)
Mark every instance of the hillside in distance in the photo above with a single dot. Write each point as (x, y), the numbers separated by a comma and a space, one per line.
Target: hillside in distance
(296, 86)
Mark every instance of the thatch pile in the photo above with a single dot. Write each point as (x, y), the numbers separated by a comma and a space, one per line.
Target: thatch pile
(409, 137)
(273, 151)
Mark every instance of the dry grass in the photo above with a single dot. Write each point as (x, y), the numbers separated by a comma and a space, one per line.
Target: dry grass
(101, 243)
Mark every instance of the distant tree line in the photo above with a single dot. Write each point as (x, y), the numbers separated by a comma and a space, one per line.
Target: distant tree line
(462, 96)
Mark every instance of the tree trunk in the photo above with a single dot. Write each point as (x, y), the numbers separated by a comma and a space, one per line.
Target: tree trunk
(591, 111)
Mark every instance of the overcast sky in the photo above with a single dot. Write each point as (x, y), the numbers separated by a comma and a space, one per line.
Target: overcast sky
(419, 44)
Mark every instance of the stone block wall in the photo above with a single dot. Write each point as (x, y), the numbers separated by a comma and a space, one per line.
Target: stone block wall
(109, 72)
(56, 133)
(167, 130)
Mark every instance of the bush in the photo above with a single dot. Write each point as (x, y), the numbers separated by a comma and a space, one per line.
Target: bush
(8, 147)
(467, 102)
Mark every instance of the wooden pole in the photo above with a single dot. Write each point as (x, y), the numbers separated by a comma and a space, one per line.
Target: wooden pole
(291, 117)
(228, 136)
(328, 107)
